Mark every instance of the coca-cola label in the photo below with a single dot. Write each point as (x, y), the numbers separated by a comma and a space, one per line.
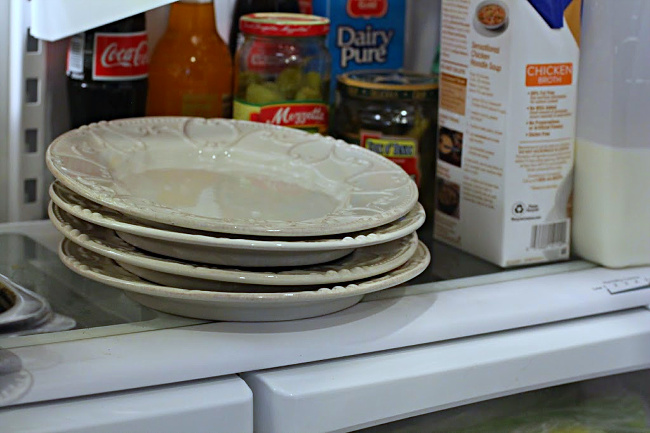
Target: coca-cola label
(367, 8)
(120, 56)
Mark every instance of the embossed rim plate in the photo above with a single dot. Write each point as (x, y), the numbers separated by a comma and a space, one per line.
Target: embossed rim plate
(362, 263)
(236, 306)
(366, 190)
(229, 250)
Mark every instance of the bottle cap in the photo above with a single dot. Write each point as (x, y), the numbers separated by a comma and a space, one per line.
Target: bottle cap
(284, 24)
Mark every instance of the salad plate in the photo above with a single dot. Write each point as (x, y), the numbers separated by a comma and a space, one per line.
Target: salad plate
(231, 250)
(362, 263)
(234, 306)
(230, 176)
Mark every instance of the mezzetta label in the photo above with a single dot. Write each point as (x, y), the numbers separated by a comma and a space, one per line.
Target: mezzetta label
(310, 116)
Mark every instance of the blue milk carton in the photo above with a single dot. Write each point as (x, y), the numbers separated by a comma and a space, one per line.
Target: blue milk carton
(364, 34)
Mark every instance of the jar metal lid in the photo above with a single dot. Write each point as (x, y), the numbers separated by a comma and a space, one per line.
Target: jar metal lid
(387, 84)
(284, 24)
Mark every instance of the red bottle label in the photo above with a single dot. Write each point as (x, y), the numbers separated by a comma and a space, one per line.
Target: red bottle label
(311, 116)
(120, 56)
(367, 8)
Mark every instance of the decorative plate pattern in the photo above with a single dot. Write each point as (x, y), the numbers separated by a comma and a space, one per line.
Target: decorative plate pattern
(362, 263)
(222, 249)
(236, 306)
(229, 176)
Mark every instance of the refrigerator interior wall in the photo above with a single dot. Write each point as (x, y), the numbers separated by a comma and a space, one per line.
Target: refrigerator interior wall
(4, 110)
(32, 112)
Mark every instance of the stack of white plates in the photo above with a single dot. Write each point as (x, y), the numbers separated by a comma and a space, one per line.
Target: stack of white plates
(231, 220)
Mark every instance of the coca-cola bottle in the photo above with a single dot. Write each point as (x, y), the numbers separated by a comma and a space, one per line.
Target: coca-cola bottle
(107, 70)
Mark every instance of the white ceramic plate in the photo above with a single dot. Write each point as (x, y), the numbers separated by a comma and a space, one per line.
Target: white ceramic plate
(221, 249)
(362, 263)
(230, 176)
(190, 283)
(236, 306)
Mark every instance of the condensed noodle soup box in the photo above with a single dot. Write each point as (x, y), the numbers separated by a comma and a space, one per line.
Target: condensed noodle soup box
(508, 72)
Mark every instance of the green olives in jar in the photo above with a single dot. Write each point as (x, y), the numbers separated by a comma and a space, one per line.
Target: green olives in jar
(282, 71)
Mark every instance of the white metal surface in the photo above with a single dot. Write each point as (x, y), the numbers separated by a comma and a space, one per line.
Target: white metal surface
(357, 392)
(98, 365)
(212, 405)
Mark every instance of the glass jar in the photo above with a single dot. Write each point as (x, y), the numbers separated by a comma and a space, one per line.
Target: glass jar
(282, 71)
(393, 113)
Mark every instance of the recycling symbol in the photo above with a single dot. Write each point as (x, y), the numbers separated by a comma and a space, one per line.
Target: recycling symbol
(518, 208)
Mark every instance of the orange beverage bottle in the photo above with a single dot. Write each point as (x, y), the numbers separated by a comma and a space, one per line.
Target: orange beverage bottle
(190, 72)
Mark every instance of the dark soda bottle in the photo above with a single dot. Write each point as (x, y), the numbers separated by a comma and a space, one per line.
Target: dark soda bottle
(243, 7)
(107, 70)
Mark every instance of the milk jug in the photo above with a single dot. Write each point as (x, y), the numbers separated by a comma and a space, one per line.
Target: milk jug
(611, 220)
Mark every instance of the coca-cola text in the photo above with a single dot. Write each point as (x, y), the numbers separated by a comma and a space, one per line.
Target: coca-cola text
(120, 56)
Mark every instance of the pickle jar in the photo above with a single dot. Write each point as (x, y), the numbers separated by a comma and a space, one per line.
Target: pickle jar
(282, 71)
(393, 113)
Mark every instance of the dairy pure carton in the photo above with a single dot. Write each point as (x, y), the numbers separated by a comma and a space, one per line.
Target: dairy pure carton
(505, 148)
(364, 34)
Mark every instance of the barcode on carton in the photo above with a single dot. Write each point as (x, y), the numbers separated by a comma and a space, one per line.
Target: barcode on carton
(543, 235)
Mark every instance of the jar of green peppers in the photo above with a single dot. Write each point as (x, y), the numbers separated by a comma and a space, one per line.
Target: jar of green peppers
(282, 71)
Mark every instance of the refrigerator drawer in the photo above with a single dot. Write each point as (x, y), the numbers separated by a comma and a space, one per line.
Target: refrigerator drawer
(222, 404)
(357, 392)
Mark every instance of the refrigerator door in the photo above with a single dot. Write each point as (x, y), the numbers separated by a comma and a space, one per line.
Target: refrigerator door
(222, 404)
(357, 392)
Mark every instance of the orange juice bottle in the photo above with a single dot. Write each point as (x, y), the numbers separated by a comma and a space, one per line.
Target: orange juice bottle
(190, 72)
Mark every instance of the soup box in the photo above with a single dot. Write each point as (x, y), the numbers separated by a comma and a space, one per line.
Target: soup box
(505, 144)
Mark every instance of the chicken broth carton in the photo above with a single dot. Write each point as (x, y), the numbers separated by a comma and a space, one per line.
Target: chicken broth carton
(508, 72)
